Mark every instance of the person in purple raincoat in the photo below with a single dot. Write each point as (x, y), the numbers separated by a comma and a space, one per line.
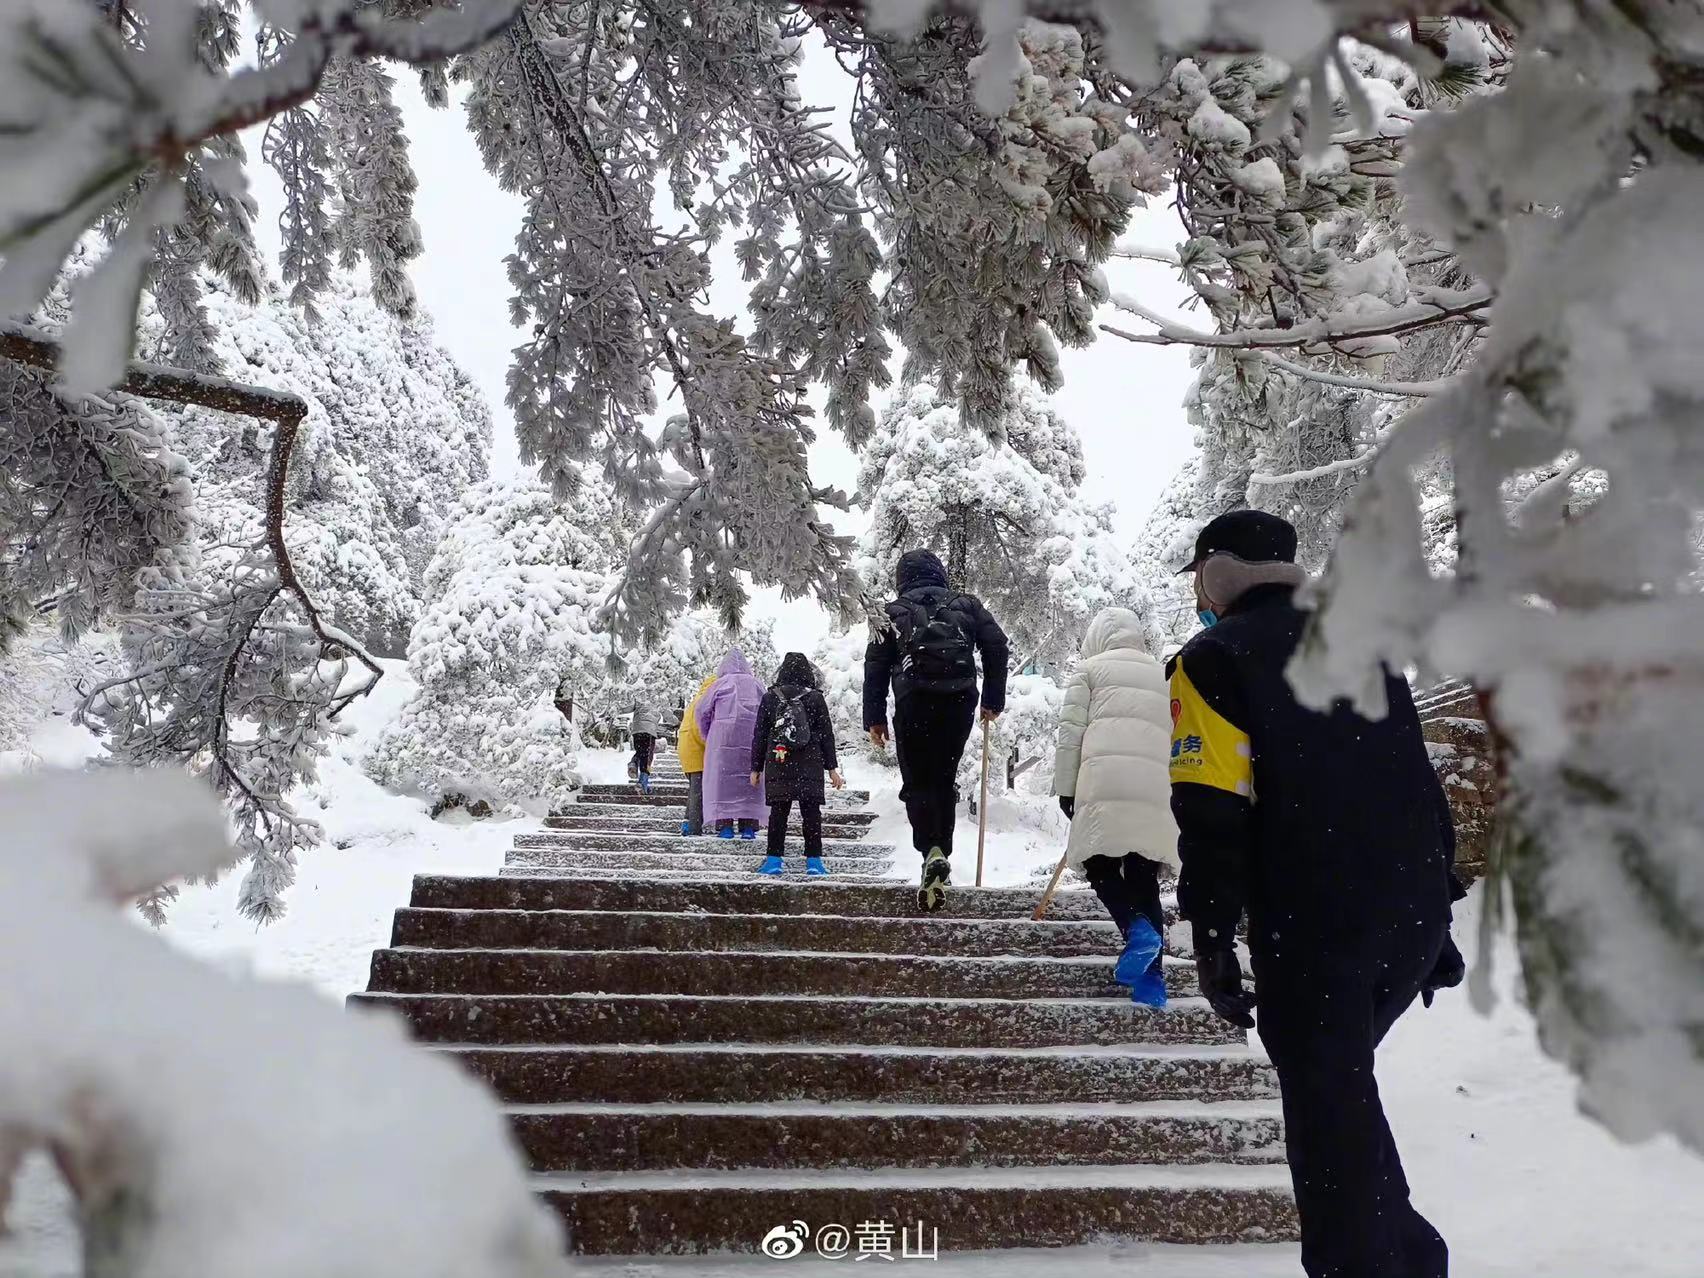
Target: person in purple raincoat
(727, 716)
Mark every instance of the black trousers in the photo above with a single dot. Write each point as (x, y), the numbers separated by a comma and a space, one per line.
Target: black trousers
(1321, 1017)
(810, 817)
(644, 745)
(929, 734)
(1129, 887)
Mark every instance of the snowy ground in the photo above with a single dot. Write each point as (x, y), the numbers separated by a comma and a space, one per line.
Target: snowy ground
(1519, 1182)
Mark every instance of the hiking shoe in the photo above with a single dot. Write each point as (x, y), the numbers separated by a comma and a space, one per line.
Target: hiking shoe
(1149, 989)
(772, 865)
(750, 836)
(937, 870)
(1140, 950)
(726, 832)
(814, 867)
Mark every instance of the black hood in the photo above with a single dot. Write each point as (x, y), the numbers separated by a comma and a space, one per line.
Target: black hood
(919, 568)
(796, 670)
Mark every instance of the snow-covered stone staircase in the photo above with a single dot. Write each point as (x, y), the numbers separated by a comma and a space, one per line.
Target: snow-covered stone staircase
(691, 1055)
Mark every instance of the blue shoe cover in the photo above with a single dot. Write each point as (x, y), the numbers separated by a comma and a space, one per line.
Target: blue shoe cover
(1149, 989)
(1140, 950)
(726, 832)
(771, 865)
(814, 867)
(750, 836)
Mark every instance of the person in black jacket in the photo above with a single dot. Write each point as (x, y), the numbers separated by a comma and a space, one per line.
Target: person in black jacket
(928, 652)
(793, 747)
(1332, 832)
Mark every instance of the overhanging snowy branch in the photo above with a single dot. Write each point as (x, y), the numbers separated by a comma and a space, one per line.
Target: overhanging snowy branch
(1437, 306)
(1342, 466)
(25, 345)
(1373, 385)
(100, 130)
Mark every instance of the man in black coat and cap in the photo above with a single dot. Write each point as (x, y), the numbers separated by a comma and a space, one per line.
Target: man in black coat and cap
(1331, 831)
(928, 652)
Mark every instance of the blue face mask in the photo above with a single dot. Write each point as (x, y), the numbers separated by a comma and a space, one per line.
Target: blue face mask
(1208, 616)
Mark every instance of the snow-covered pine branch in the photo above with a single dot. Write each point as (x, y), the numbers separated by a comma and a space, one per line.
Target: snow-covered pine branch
(93, 114)
(25, 345)
(1353, 335)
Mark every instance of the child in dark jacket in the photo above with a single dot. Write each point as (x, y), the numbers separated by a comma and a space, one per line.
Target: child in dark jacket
(793, 747)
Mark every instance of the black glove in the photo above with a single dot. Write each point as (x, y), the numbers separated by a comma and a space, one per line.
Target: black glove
(1220, 976)
(1068, 805)
(1447, 972)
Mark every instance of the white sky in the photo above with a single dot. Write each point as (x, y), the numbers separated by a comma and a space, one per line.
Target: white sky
(1124, 400)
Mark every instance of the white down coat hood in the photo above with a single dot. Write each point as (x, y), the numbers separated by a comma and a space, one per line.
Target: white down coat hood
(1115, 744)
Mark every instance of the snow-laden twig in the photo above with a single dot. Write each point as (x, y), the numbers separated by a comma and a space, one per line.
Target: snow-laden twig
(1436, 306)
(1373, 385)
(1147, 253)
(1339, 467)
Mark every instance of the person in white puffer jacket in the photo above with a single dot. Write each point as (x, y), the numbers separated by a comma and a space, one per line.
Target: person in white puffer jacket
(1111, 776)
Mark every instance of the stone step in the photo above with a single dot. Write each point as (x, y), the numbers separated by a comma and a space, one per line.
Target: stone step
(418, 971)
(624, 868)
(738, 896)
(668, 864)
(674, 796)
(773, 1137)
(682, 846)
(630, 817)
(635, 1213)
(639, 930)
(699, 1073)
(819, 1021)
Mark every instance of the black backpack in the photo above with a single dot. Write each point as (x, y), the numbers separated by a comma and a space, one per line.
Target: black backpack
(937, 649)
(792, 727)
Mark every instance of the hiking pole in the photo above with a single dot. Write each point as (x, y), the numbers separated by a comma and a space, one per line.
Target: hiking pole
(1052, 887)
(982, 807)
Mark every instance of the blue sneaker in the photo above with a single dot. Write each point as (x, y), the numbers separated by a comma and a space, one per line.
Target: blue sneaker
(772, 865)
(1140, 950)
(1149, 989)
(726, 832)
(750, 836)
(814, 867)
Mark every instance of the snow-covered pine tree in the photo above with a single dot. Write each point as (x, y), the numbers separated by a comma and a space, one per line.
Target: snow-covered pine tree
(839, 659)
(394, 433)
(1162, 547)
(1007, 519)
(512, 600)
(202, 617)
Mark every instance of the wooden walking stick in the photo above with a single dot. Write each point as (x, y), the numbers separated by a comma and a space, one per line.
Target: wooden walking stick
(982, 807)
(1052, 887)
